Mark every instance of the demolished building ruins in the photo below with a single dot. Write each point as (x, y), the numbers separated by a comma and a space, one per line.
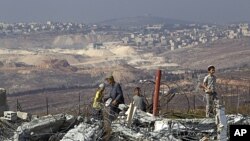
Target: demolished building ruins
(131, 124)
(143, 126)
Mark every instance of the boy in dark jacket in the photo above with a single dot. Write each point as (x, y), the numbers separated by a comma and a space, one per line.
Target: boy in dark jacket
(116, 95)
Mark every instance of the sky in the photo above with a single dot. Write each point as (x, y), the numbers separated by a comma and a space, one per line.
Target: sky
(91, 11)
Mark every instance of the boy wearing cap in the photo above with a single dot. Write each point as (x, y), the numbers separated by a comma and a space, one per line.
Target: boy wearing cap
(98, 100)
(209, 84)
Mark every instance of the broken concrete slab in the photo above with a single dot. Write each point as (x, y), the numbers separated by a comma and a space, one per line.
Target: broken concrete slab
(125, 133)
(238, 119)
(10, 115)
(23, 115)
(147, 127)
(121, 132)
(40, 128)
(144, 117)
(162, 136)
(221, 121)
(83, 132)
(131, 112)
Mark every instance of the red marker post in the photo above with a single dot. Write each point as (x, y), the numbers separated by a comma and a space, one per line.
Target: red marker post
(156, 92)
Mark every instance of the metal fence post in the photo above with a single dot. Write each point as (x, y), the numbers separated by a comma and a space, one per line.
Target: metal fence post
(156, 92)
(47, 105)
(249, 91)
(238, 98)
(17, 103)
(194, 102)
(79, 100)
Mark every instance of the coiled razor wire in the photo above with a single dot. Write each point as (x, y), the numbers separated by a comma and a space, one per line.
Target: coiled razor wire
(168, 92)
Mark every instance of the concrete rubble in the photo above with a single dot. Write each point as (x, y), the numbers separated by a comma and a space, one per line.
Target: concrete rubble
(84, 132)
(143, 127)
(238, 119)
(146, 127)
(42, 128)
(23, 115)
(10, 115)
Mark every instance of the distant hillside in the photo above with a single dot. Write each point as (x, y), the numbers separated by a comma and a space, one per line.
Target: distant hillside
(223, 54)
(53, 41)
(141, 20)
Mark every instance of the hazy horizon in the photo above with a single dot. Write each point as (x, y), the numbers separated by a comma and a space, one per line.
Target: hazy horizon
(91, 11)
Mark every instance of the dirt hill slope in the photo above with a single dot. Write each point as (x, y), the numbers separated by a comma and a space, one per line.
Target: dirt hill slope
(223, 54)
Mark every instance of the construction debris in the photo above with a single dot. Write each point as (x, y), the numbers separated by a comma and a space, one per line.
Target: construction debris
(41, 128)
(7, 129)
(238, 119)
(147, 127)
(23, 115)
(10, 115)
(141, 126)
(221, 122)
(84, 132)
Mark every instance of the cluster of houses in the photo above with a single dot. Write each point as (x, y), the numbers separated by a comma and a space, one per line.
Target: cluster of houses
(191, 35)
(29, 28)
(157, 35)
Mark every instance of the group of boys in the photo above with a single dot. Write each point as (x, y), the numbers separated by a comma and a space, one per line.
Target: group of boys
(116, 96)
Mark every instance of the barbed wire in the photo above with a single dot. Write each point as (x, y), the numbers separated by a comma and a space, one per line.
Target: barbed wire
(74, 108)
(191, 132)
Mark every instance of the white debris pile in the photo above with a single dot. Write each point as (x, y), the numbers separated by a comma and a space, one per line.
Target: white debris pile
(42, 128)
(147, 127)
(84, 132)
(122, 132)
(135, 125)
(162, 136)
(238, 119)
(205, 124)
(185, 129)
(144, 117)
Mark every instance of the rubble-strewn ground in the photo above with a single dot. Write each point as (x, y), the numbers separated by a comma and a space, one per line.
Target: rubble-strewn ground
(144, 127)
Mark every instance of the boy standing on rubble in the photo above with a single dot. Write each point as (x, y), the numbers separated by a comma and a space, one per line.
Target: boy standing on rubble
(98, 100)
(139, 101)
(209, 85)
(116, 95)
